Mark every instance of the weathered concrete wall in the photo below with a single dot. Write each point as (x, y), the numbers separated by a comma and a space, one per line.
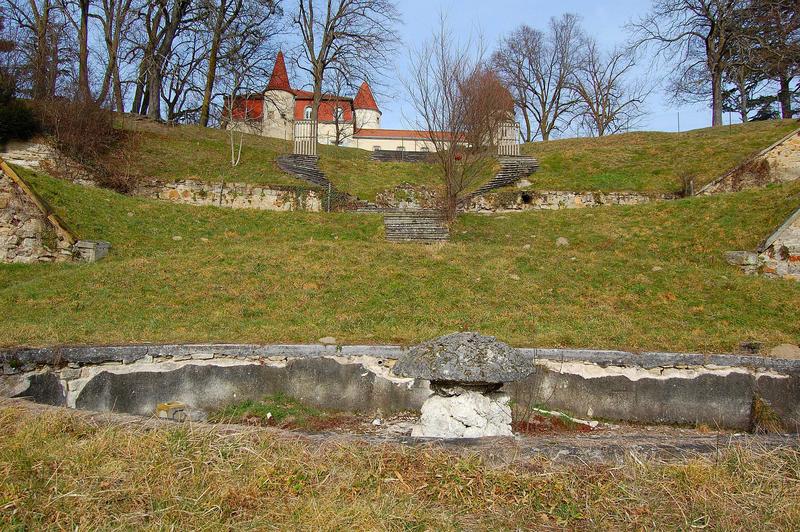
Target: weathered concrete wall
(528, 200)
(26, 236)
(688, 389)
(235, 195)
(778, 163)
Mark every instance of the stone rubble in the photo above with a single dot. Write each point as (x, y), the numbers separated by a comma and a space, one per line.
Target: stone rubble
(470, 415)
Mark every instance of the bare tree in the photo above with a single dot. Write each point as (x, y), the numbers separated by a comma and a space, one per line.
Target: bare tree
(514, 63)
(697, 36)
(774, 30)
(540, 67)
(161, 20)
(355, 37)
(459, 104)
(42, 38)
(609, 100)
(115, 17)
(247, 17)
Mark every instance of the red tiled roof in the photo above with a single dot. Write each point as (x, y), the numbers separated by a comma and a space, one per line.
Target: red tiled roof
(401, 134)
(280, 78)
(365, 99)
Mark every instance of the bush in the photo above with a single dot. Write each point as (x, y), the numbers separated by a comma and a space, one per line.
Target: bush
(81, 130)
(17, 121)
(84, 132)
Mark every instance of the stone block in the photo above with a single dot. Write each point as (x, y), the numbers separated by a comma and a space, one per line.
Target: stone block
(173, 410)
(91, 250)
(741, 258)
(69, 374)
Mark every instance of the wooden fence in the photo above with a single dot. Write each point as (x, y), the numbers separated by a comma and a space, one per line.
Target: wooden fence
(305, 137)
(508, 139)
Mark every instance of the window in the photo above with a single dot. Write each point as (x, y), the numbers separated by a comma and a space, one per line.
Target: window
(376, 148)
(307, 114)
(401, 148)
(338, 114)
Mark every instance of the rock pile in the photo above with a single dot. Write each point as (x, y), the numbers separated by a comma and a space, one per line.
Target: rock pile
(466, 371)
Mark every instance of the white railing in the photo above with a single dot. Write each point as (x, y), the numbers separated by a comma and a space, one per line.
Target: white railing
(305, 137)
(508, 139)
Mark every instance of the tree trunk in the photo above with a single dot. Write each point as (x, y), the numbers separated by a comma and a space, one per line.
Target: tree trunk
(141, 82)
(83, 52)
(41, 77)
(716, 98)
(785, 97)
(211, 75)
(527, 121)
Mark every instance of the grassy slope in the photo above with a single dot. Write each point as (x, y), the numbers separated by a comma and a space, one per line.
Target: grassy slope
(191, 152)
(294, 277)
(62, 472)
(650, 162)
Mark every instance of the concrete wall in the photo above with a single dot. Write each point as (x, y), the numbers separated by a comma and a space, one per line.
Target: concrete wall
(653, 388)
(235, 195)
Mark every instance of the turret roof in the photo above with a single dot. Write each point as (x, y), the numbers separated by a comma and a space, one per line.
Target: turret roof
(280, 78)
(364, 99)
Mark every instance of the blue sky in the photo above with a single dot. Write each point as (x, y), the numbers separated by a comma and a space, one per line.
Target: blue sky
(603, 19)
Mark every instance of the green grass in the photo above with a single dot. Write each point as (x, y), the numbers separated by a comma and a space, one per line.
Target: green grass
(277, 408)
(60, 471)
(191, 152)
(647, 161)
(252, 276)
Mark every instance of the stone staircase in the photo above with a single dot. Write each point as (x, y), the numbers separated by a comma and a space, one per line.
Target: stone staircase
(416, 226)
(304, 167)
(512, 169)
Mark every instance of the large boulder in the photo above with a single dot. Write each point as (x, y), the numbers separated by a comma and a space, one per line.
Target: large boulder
(466, 358)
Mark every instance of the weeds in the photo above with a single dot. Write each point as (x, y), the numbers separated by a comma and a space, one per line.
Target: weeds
(61, 471)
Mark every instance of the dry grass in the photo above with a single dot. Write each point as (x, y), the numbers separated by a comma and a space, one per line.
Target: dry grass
(60, 471)
(649, 161)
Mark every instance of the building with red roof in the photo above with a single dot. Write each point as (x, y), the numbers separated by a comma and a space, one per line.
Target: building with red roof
(343, 120)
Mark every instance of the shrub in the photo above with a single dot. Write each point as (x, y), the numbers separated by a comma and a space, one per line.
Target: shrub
(84, 132)
(80, 129)
(17, 121)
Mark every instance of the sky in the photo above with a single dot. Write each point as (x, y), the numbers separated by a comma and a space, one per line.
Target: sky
(603, 19)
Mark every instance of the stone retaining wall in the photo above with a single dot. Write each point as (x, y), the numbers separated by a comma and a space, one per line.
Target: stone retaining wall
(778, 163)
(235, 195)
(669, 388)
(25, 233)
(528, 200)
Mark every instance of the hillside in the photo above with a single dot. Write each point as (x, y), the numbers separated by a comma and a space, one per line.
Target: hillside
(650, 161)
(650, 277)
(191, 152)
(647, 162)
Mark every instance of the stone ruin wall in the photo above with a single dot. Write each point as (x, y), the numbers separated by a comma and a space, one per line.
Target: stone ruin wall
(26, 236)
(547, 200)
(234, 195)
(780, 163)
(781, 257)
